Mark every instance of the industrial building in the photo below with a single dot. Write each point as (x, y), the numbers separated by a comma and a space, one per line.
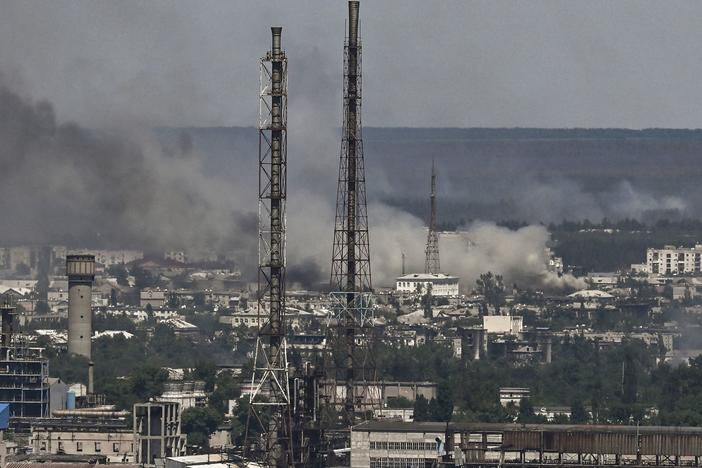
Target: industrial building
(672, 260)
(188, 393)
(376, 394)
(112, 438)
(442, 285)
(24, 372)
(384, 444)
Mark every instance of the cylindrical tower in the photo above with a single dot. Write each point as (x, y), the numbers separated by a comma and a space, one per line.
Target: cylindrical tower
(80, 270)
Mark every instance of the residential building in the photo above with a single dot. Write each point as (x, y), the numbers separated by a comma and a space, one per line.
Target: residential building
(672, 260)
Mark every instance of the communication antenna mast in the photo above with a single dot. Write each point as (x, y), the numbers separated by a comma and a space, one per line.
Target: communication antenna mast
(350, 272)
(431, 262)
(269, 426)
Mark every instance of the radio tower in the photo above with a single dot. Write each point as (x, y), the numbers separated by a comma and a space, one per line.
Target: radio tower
(431, 262)
(268, 428)
(350, 272)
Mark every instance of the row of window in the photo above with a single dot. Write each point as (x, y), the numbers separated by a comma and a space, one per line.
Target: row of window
(79, 446)
(403, 445)
(390, 462)
(245, 320)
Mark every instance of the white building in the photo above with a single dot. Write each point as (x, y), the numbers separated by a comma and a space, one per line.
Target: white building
(503, 324)
(441, 284)
(671, 260)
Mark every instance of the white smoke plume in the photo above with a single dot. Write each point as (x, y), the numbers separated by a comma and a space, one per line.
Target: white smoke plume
(520, 256)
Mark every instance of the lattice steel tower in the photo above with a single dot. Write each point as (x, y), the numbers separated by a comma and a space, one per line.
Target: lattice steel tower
(270, 398)
(350, 272)
(431, 261)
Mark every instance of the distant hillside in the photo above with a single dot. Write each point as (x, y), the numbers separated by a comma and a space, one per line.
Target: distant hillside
(487, 173)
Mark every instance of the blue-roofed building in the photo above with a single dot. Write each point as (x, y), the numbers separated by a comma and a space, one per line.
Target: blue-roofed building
(4, 416)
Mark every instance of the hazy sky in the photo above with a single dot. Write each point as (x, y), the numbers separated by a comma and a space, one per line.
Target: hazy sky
(426, 62)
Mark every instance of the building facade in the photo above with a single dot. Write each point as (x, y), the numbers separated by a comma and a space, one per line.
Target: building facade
(672, 260)
(442, 285)
(100, 437)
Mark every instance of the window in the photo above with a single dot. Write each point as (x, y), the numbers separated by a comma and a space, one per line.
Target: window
(115, 447)
(43, 445)
(79, 446)
(60, 446)
(97, 447)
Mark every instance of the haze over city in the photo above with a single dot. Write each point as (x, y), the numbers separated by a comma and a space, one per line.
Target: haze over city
(435, 221)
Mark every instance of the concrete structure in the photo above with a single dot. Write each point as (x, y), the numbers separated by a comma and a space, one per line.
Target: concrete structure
(385, 443)
(80, 270)
(157, 432)
(111, 438)
(442, 285)
(503, 324)
(672, 260)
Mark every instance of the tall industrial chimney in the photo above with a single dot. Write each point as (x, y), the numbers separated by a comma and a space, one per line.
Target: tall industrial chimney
(80, 270)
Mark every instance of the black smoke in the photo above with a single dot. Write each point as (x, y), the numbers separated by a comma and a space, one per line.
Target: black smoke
(63, 184)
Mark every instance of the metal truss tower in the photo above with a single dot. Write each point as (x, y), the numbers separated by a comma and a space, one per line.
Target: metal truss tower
(270, 406)
(350, 272)
(431, 262)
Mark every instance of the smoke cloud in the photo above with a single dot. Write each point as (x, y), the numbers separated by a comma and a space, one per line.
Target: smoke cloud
(520, 256)
(61, 183)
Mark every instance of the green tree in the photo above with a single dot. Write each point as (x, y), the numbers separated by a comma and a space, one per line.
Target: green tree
(578, 414)
(444, 402)
(120, 273)
(492, 287)
(199, 423)
(421, 409)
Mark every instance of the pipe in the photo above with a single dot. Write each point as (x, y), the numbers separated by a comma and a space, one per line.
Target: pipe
(275, 44)
(90, 413)
(91, 376)
(353, 22)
